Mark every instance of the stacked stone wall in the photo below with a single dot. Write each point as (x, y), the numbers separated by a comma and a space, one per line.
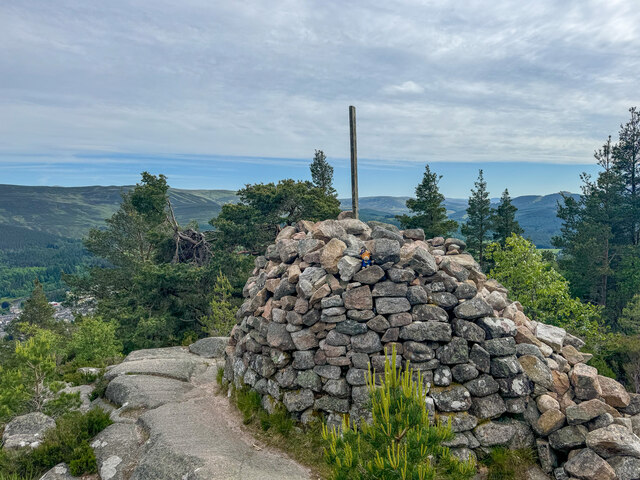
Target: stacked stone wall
(314, 321)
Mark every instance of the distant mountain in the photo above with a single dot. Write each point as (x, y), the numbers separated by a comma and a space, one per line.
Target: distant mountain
(536, 213)
(70, 212)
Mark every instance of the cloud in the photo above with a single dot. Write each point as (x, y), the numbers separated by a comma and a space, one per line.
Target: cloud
(544, 82)
(408, 87)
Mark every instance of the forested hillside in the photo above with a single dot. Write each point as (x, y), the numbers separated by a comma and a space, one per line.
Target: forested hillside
(536, 213)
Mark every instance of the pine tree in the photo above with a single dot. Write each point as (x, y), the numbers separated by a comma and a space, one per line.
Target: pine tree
(37, 311)
(476, 230)
(322, 173)
(626, 161)
(503, 220)
(428, 208)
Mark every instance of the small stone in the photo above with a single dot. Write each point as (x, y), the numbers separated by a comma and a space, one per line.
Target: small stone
(337, 388)
(468, 330)
(426, 331)
(464, 372)
(366, 343)
(369, 276)
(348, 267)
(500, 347)
(441, 376)
(551, 335)
(480, 358)
(358, 298)
(547, 402)
(472, 309)
(482, 386)
(451, 399)
(568, 438)
(444, 300)
(536, 370)
(309, 379)
(384, 250)
(416, 294)
(491, 434)
(491, 406)
(425, 313)
(298, 400)
(328, 371)
(303, 360)
(400, 319)
(497, 327)
(626, 468)
(337, 339)
(378, 324)
(332, 404)
(304, 339)
(388, 305)
(613, 393)
(454, 352)
(549, 421)
(278, 337)
(585, 381)
(588, 465)
(502, 367)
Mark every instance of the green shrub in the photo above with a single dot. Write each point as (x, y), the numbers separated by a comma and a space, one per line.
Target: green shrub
(68, 442)
(400, 442)
(99, 389)
(506, 464)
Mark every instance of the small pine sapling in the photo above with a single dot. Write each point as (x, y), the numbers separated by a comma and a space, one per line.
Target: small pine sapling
(400, 442)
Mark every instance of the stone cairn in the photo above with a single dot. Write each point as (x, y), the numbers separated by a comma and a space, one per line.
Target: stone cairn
(314, 321)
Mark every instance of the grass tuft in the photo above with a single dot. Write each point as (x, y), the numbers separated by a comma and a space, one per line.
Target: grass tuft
(506, 464)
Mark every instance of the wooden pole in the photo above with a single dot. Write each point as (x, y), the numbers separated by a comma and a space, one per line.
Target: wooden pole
(354, 161)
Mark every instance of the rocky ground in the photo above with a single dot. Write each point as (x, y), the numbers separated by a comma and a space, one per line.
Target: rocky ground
(171, 423)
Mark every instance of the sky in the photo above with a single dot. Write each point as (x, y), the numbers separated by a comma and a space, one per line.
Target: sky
(218, 94)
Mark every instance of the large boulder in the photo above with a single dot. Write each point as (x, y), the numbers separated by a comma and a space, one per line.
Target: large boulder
(614, 440)
(588, 465)
(211, 347)
(27, 430)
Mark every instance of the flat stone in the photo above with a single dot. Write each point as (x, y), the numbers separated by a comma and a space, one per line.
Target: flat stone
(369, 275)
(464, 372)
(502, 367)
(181, 368)
(500, 347)
(388, 305)
(568, 438)
(384, 250)
(451, 399)
(389, 289)
(426, 331)
(614, 440)
(491, 434)
(351, 327)
(348, 267)
(424, 313)
(304, 339)
(588, 410)
(472, 309)
(482, 386)
(117, 449)
(423, 262)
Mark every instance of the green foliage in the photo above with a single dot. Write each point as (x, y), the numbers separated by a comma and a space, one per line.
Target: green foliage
(506, 464)
(400, 442)
(221, 319)
(479, 220)
(93, 342)
(428, 211)
(68, 442)
(36, 310)
(629, 320)
(254, 222)
(322, 173)
(61, 404)
(248, 402)
(600, 236)
(503, 220)
(542, 291)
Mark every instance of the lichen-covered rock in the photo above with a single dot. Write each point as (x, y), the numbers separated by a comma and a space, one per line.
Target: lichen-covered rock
(588, 465)
(27, 430)
(614, 440)
(472, 309)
